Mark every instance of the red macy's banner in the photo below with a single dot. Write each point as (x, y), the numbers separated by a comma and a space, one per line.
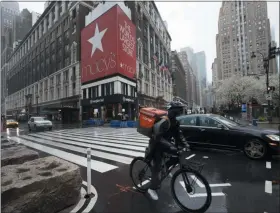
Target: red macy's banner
(108, 46)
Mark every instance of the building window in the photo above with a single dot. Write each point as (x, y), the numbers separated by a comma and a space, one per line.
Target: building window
(132, 91)
(59, 40)
(84, 93)
(124, 88)
(59, 65)
(94, 92)
(74, 52)
(74, 28)
(66, 34)
(74, 13)
(53, 46)
(145, 57)
(66, 24)
(66, 91)
(147, 74)
(51, 98)
(58, 93)
(66, 62)
(146, 89)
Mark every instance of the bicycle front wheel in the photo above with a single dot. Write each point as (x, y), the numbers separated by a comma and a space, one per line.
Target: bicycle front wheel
(185, 194)
(140, 173)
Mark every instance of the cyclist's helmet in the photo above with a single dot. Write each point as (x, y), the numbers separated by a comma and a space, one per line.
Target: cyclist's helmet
(175, 109)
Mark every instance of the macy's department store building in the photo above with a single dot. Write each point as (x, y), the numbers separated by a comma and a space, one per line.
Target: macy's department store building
(108, 63)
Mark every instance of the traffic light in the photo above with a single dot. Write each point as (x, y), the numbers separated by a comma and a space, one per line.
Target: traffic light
(271, 88)
(271, 52)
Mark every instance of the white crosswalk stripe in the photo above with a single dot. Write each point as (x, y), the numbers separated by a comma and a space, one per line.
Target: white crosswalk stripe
(109, 146)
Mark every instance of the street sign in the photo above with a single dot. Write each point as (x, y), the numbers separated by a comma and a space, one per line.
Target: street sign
(268, 97)
(244, 108)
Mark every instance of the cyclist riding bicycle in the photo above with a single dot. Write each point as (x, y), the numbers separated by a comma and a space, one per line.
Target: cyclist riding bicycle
(161, 142)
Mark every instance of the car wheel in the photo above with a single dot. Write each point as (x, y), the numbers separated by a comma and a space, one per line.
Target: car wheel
(50, 128)
(35, 127)
(29, 128)
(255, 149)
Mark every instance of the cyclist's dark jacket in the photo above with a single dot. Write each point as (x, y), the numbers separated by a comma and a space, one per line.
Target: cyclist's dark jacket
(164, 130)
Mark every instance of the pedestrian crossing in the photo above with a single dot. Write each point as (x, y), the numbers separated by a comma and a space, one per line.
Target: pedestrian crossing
(110, 147)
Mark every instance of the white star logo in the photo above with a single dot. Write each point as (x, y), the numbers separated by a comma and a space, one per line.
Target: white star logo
(96, 40)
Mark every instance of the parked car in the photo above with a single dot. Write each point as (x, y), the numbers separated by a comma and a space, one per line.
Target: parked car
(215, 131)
(11, 123)
(36, 123)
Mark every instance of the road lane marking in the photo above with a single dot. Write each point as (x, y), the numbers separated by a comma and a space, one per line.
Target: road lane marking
(268, 165)
(268, 187)
(191, 156)
(201, 185)
(94, 153)
(214, 194)
(81, 202)
(92, 200)
(108, 139)
(219, 184)
(92, 144)
(95, 165)
(141, 184)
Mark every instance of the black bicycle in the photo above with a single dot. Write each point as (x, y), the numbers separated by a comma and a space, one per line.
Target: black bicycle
(188, 174)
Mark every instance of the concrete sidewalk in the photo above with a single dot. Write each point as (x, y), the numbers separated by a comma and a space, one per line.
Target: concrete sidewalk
(267, 125)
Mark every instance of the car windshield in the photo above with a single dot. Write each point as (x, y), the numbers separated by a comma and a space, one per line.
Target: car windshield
(11, 120)
(39, 119)
(227, 121)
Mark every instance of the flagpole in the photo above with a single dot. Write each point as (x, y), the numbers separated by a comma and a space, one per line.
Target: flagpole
(137, 98)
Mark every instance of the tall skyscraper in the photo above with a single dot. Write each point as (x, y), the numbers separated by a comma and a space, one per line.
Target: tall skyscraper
(272, 34)
(191, 58)
(191, 81)
(243, 28)
(35, 17)
(9, 11)
(201, 67)
(14, 27)
(197, 61)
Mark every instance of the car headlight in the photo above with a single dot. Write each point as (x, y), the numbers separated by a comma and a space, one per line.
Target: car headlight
(273, 137)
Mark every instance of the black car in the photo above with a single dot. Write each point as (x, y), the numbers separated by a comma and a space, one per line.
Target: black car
(215, 131)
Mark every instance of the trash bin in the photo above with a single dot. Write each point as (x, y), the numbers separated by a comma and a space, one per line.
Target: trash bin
(254, 122)
(269, 119)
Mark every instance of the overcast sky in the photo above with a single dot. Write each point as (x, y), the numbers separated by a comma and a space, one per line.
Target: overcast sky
(193, 24)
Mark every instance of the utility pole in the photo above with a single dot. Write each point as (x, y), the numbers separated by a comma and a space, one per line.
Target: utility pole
(137, 99)
(272, 52)
(266, 67)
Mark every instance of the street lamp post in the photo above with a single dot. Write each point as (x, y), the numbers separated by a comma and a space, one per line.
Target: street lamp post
(137, 96)
(28, 104)
(266, 67)
(37, 106)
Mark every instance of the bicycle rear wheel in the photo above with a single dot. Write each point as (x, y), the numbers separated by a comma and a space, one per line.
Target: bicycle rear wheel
(142, 177)
(183, 190)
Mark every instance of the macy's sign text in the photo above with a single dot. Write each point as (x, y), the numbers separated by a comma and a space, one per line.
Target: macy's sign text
(104, 64)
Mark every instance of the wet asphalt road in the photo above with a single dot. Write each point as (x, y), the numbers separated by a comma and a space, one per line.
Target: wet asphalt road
(248, 182)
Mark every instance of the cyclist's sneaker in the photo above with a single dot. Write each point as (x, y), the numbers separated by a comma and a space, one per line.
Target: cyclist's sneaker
(153, 194)
(170, 175)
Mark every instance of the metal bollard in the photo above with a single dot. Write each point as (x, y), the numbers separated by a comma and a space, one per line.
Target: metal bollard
(88, 171)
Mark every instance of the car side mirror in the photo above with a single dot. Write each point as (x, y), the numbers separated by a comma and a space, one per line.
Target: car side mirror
(221, 126)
